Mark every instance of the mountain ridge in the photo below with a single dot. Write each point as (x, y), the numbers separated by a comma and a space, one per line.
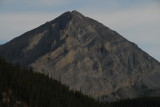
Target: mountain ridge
(88, 56)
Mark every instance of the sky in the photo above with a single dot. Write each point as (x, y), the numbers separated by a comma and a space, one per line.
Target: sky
(136, 20)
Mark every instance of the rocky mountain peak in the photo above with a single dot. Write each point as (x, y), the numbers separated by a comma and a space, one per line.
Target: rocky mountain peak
(88, 56)
(68, 15)
(76, 13)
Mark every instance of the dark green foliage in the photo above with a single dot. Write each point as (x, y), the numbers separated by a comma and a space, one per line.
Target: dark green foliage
(38, 90)
(139, 102)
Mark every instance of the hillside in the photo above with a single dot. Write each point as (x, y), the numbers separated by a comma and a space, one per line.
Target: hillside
(25, 88)
(88, 56)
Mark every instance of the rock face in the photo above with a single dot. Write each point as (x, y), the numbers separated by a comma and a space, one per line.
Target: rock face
(86, 55)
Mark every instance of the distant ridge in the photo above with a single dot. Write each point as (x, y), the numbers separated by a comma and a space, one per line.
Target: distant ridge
(88, 56)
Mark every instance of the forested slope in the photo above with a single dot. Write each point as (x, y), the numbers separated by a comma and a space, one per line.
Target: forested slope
(23, 87)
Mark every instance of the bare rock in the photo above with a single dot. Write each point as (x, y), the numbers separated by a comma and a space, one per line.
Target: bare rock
(88, 56)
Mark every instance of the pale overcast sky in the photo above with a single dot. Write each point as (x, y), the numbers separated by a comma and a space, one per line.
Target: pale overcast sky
(136, 20)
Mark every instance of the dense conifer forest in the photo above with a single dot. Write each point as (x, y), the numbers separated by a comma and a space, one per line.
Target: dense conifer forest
(25, 88)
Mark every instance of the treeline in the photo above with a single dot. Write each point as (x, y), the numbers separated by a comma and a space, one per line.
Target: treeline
(38, 90)
(138, 102)
(23, 87)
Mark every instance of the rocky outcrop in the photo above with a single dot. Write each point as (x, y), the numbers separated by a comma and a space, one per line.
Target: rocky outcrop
(88, 56)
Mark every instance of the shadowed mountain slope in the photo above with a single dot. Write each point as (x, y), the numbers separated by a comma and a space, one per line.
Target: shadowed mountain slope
(88, 56)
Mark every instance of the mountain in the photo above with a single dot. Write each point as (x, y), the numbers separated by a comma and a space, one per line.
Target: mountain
(25, 88)
(88, 56)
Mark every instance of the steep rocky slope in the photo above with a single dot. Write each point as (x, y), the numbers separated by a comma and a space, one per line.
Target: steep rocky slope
(87, 56)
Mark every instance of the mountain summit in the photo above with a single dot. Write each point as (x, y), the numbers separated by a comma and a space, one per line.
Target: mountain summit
(88, 56)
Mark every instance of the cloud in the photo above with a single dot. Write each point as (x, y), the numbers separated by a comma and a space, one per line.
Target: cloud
(49, 2)
(132, 19)
(129, 17)
(138, 24)
(38, 2)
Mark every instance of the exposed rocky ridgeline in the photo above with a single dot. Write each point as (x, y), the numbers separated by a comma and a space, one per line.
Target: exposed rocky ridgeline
(87, 56)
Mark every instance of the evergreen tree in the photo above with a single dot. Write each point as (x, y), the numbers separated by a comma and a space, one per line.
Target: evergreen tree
(19, 87)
